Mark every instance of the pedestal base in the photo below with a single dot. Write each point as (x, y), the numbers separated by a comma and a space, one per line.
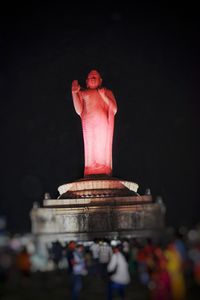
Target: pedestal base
(98, 207)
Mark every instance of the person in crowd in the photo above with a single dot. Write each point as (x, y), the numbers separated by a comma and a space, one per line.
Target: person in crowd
(70, 255)
(119, 274)
(57, 253)
(174, 267)
(94, 248)
(126, 249)
(89, 262)
(160, 285)
(194, 255)
(133, 257)
(23, 264)
(105, 253)
(142, 267)
(78, 271)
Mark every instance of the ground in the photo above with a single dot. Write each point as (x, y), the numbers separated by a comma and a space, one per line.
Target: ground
(55, 285)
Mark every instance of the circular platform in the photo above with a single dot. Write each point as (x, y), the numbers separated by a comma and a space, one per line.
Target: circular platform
(98, 187)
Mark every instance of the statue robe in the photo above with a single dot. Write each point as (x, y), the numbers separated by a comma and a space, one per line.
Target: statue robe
(98, 126)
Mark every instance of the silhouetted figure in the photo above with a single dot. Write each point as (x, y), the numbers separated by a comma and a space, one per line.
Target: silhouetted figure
(78, 270)
(70, 256)
(24, 265)
(105, 253)
(57, 253)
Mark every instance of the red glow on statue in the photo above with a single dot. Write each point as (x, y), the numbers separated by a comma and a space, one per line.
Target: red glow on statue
(97, 107)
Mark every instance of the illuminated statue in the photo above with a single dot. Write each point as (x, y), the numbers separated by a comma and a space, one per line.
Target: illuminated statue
(97, 107)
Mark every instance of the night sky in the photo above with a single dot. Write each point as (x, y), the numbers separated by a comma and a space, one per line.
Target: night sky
(147, 55)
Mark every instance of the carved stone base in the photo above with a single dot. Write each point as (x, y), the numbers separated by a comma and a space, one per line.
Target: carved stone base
(98, 207)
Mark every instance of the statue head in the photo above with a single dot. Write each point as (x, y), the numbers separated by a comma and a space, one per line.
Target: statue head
(93, 80)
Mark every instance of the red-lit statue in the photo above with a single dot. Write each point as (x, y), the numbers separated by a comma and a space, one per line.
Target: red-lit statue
(97, 107)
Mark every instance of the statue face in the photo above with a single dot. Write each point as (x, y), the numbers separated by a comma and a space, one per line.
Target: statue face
(93, 80)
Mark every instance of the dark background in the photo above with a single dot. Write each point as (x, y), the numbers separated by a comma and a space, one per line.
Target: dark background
(148, 56)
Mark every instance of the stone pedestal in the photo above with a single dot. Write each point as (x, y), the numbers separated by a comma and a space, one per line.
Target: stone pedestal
(97, 207)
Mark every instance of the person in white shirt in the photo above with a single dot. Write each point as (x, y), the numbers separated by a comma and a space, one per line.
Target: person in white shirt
(105, 253)
(94, 249)
(119, 274)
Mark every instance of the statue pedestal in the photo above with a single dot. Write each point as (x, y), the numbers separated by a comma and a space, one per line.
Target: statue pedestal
(97, 207)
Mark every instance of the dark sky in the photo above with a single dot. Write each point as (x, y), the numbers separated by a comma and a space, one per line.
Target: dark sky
(147, 55)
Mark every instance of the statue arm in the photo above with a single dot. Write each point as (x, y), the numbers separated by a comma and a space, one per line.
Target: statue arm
(78, 102)
(109, 99)
(77, 97)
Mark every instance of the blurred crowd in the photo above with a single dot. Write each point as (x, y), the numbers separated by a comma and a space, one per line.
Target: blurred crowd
(164, 265)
